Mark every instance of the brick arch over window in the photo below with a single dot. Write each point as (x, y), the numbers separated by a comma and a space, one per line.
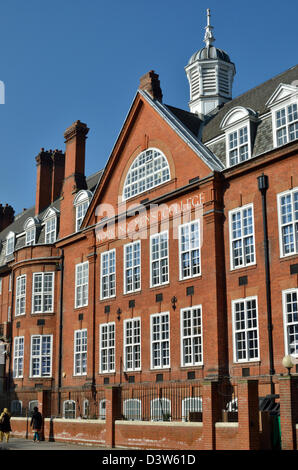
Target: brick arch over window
(137, 177)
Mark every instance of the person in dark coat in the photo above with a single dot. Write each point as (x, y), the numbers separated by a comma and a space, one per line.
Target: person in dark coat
(36, 424)
(5, 428)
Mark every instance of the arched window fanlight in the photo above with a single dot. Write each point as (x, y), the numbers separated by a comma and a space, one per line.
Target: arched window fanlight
(149, 169)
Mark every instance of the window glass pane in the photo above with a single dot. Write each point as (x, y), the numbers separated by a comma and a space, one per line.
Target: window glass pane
(148, 170)
(246, 330)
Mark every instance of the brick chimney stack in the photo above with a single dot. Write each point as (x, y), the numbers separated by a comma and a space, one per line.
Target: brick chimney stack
(74, 177)
(6, 216)
(75, 139)
(58, 171)
(43, 181)
(151, 84)
(50, 176)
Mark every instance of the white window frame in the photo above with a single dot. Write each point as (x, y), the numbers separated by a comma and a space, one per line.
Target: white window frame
(81, 284)
(18, 357)
(10, 243)
(132, 267)
(0, 285)
(159, 260)
(81, 203)
(190, 250)
(73, 403)
(159, 416)
(109, 349)
(43, 293)
(40, 356)
(102, 409)
(245, 330)
(140, 178)
(160, 341)
(86, 408)
(293, 223)
(132, 344)
(110, 276)
(193, 336)
(20, 302)
(237, 130)
(50, 229)
(286, 124)
(30, 231)
(196, 406)
(242, 238)
(32, 404)
(30, 236)
(80, 352)
(81, 210)
(137, 410)
(293, 324)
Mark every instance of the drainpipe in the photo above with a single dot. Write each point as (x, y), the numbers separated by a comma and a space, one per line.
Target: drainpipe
(61, 269)
(263, 185)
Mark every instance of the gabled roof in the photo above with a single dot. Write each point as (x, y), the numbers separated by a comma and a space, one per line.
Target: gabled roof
(185, 124)
(18, 224)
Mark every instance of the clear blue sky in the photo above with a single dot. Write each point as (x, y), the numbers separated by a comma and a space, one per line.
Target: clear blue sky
(72, 59)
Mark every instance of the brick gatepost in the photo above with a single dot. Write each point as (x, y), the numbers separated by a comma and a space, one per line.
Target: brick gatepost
(113, 412)
(211, 413)
(248, 415)
(288, 393)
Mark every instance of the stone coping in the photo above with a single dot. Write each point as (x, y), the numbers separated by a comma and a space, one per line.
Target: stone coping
(160, 423)
(63, 420)
(226, 425)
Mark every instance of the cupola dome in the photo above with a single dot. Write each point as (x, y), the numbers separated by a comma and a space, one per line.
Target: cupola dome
(210, 73)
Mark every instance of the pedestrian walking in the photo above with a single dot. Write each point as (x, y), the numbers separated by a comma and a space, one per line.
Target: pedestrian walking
(5, 427)
(36, 424)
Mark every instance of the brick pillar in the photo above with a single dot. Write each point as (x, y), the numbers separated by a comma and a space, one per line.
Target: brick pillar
(288, 393)
(211, 413)
(248, 415)
(113, 412)
(44, 400)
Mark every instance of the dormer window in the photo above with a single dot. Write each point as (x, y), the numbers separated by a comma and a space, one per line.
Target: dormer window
(50, 222)
(30, 229)
(286, 121)
(284, 107)
(238, 125)
(10, 243)
(50, 230)
(149, 169)
(81, 203)
(238, 146)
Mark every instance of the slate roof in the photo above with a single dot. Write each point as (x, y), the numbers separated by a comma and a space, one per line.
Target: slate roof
(256, 99)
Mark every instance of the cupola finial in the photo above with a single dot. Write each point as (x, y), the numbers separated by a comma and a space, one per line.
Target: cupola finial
(208, 38)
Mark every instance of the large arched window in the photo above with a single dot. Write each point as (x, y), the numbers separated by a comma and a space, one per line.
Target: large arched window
(149, 169)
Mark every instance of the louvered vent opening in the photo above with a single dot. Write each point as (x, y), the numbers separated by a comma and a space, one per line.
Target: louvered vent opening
(223, 81)
(209, 80)
(195, 82)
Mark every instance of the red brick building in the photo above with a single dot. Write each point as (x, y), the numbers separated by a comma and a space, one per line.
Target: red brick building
(155, 288)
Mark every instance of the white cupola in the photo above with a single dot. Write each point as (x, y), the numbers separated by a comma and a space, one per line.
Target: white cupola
(210, 73)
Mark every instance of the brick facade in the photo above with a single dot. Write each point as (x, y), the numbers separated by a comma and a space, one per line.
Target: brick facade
(210, 195)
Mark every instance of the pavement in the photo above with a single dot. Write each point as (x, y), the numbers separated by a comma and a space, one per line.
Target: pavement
(16, 443)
